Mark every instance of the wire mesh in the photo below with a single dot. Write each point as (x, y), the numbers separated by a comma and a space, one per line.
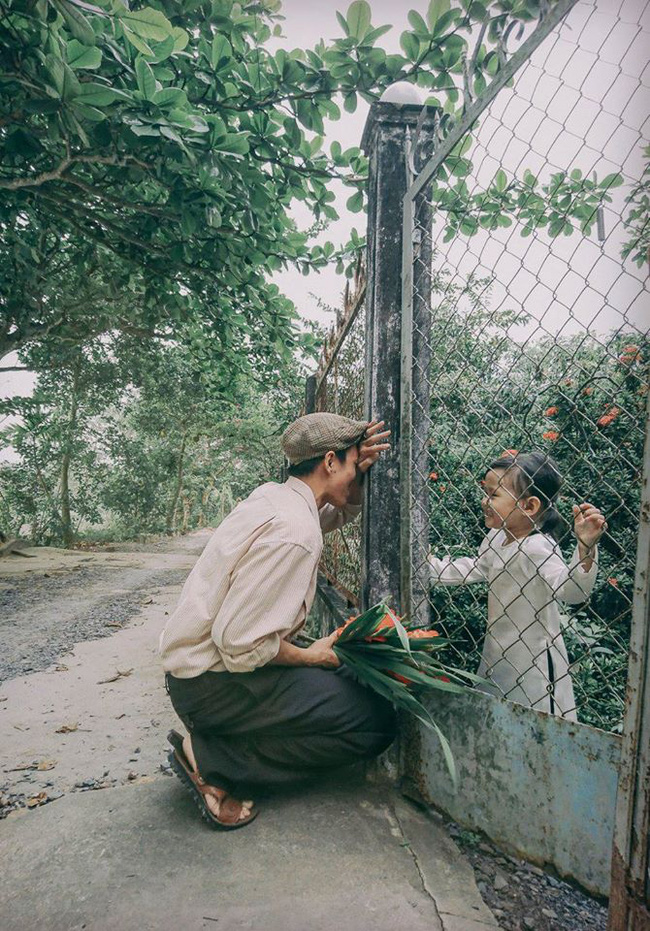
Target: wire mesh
(535, 338)
(340, 389)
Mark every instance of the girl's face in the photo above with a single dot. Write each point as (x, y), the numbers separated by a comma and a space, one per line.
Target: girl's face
(503, 508)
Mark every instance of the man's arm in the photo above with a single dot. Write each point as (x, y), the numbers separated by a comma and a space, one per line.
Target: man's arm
(266, 592)
(318, 653)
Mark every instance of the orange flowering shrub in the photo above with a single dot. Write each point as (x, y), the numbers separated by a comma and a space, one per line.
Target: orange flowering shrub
(551, 435)
(433, 476)
(550, 412)
(629, 355)
(609, 417)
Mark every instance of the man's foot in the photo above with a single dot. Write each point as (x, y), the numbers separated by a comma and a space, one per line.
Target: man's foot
(214, 801)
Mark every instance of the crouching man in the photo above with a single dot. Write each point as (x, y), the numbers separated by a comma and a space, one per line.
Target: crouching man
(260, 711)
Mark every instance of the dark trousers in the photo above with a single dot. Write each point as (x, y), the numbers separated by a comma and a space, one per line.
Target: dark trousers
(278, 724)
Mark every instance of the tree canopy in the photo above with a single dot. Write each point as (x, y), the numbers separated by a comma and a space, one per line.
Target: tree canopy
(151, 155)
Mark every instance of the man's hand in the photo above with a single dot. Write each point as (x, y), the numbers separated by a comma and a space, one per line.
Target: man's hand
(373, 445)
(320, 653)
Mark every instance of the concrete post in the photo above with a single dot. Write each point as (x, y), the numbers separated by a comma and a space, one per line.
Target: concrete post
(310, 394)
(387, 140)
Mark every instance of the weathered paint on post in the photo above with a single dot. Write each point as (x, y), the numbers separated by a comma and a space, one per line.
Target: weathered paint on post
(536, 784)
(630, 881)
(385, 141)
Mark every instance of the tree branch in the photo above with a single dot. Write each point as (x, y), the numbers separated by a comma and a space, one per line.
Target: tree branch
(56, 173)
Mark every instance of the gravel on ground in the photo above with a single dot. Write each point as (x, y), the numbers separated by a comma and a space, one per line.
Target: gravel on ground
(524, 897)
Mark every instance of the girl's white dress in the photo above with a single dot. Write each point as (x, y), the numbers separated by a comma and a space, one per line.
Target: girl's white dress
(524, 657)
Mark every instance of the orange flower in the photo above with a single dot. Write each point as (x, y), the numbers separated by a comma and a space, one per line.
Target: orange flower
(418, 634)
(552, 435)
(613, 581)
(442, 488)
(589, 389)
(550, 412)
(433, 476)
(340, 629)
(386, 623)
(607, 418)
(630, 348)
(396, 675)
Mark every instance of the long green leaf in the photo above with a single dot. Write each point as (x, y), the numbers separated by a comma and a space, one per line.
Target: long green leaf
(364, 624)
(82, 56)
(400, 696)
(401, 633)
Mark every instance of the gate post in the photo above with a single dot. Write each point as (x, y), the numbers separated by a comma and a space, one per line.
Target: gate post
(629, 903)
(388, 139)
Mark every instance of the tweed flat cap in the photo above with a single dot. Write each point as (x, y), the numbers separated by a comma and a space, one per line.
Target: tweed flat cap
(316, 434)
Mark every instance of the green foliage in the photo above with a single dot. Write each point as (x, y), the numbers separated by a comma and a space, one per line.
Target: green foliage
(166, 144)
(637, 221)
(139, 438)
(581, 399)
(169, 142)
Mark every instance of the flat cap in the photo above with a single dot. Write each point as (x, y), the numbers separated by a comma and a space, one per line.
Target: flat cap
(316, 434)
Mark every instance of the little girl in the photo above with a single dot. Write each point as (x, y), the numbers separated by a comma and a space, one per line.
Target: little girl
(524, 657)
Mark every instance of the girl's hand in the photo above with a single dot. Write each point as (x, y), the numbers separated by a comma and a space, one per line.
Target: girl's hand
(589, 524)
(373, 444)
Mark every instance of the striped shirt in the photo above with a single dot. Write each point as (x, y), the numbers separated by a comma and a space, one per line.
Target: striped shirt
(254, 583)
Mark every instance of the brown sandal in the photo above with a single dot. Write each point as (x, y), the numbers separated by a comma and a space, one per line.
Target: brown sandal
(229, 810)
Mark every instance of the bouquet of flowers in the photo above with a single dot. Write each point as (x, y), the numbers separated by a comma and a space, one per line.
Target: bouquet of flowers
(399, 662)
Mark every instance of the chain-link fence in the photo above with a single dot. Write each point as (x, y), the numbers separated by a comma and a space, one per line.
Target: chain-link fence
(340, 385)
(529, 331)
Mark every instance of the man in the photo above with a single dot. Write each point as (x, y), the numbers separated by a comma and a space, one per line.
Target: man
(259, 710)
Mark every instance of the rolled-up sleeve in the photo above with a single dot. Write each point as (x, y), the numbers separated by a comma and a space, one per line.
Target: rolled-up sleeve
(267, 591)
(332, 518)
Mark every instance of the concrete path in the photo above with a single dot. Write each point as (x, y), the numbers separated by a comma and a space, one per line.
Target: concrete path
(122, 848)
(340, 857)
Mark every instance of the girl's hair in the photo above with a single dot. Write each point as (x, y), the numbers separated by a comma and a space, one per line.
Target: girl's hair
(536, 473)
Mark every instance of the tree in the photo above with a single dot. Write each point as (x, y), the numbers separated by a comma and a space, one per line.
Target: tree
(163, 146)
(138, 436)
(128, 137)
(55, 483)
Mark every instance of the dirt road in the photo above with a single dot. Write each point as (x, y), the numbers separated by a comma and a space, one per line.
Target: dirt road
(92, 712)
